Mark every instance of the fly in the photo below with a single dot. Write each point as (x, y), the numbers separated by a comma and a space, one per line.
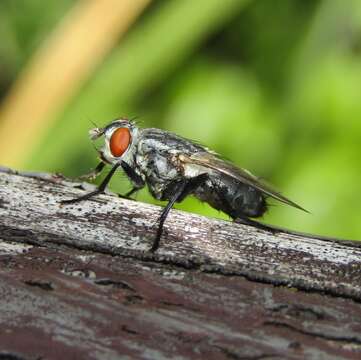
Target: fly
(174, 167)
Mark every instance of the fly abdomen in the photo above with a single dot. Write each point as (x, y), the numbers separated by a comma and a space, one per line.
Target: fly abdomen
(248, 202)
(236, 199)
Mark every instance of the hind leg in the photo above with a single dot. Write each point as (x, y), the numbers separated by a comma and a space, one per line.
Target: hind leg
(256, 224)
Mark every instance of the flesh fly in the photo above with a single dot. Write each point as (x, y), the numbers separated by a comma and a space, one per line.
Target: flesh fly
(173, 168)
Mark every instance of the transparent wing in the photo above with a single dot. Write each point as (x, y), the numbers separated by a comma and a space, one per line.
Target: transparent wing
(212, 161)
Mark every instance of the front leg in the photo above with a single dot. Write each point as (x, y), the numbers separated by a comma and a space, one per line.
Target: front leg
(94, 173)
(179, 190)
(99, 190)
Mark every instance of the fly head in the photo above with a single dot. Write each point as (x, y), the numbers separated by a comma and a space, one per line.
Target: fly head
(119, 140)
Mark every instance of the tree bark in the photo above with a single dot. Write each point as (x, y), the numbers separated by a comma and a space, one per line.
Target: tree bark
(78, 281)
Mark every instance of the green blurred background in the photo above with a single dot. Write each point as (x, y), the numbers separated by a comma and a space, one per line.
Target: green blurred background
(275, 86)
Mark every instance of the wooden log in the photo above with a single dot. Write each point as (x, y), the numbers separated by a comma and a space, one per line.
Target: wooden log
(78, 281)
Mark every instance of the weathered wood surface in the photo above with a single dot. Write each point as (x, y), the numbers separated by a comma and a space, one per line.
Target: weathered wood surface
(78, 282)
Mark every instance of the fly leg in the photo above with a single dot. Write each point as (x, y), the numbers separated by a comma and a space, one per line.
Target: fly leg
(138, 182)
(129, 193)
(99, 190)
(94, 173)
(256, 224)
(180, 190)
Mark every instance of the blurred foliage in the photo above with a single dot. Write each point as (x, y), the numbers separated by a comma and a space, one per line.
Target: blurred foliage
(23, 27)
(273, 85)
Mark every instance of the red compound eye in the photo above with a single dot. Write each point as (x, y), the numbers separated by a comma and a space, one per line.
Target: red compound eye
(119, 141)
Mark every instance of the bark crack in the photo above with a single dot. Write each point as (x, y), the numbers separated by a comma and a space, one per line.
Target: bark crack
(330, 337)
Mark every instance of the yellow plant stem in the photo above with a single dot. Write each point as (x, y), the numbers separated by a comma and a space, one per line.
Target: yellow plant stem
(58, 69)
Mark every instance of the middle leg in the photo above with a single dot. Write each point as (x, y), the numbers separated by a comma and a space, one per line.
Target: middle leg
(181, 189)
(136, 179)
